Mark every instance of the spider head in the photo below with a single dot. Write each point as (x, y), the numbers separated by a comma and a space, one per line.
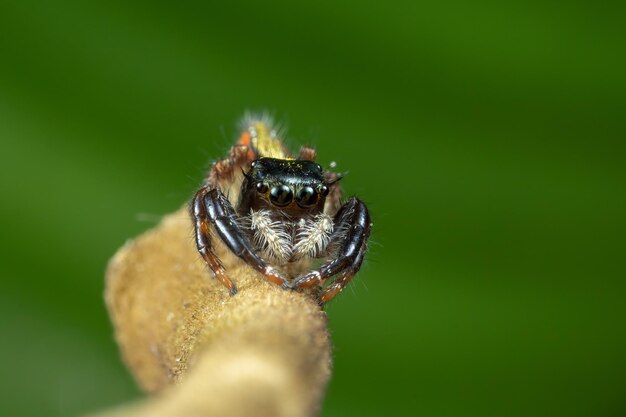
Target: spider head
(293, 186)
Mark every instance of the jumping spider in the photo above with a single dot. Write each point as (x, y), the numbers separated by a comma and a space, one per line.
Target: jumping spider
(278, 213)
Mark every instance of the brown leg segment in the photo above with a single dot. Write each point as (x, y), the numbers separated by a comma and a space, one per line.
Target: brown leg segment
(333, 200)
(306, 153)
(224, 170)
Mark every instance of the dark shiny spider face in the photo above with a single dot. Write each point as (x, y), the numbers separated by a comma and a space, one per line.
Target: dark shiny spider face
(293, 186)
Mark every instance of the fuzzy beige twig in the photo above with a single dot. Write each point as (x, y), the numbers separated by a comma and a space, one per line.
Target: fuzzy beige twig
(263, 352)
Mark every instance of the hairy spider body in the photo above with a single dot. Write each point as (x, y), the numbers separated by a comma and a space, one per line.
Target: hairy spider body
(278, 214)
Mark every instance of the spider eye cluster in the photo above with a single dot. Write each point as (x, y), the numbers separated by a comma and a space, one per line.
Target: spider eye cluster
(282, 195)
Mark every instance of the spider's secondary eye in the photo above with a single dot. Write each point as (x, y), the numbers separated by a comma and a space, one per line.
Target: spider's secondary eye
(261, 188)
(281, 195)
(324, 190)
(306, 197)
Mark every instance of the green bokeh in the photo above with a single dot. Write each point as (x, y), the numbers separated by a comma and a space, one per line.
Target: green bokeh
(487, 140)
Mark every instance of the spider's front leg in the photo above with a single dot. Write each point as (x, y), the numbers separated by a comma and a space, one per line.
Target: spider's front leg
(352, 225)
(211, 208)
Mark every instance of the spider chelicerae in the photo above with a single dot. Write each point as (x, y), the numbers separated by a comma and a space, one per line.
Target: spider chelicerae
(278, 214)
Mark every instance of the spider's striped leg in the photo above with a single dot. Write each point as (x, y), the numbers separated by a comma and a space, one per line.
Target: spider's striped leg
(211, 206)
(203, 241)
(352, 225)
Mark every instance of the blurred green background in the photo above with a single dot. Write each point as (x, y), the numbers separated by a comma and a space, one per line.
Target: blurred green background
(487, 139)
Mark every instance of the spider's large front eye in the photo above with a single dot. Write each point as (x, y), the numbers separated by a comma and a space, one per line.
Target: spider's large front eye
(306, 197)
(281, 195)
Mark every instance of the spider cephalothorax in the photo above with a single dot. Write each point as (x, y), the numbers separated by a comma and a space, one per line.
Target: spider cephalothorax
(280, 214)
(295, 187)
